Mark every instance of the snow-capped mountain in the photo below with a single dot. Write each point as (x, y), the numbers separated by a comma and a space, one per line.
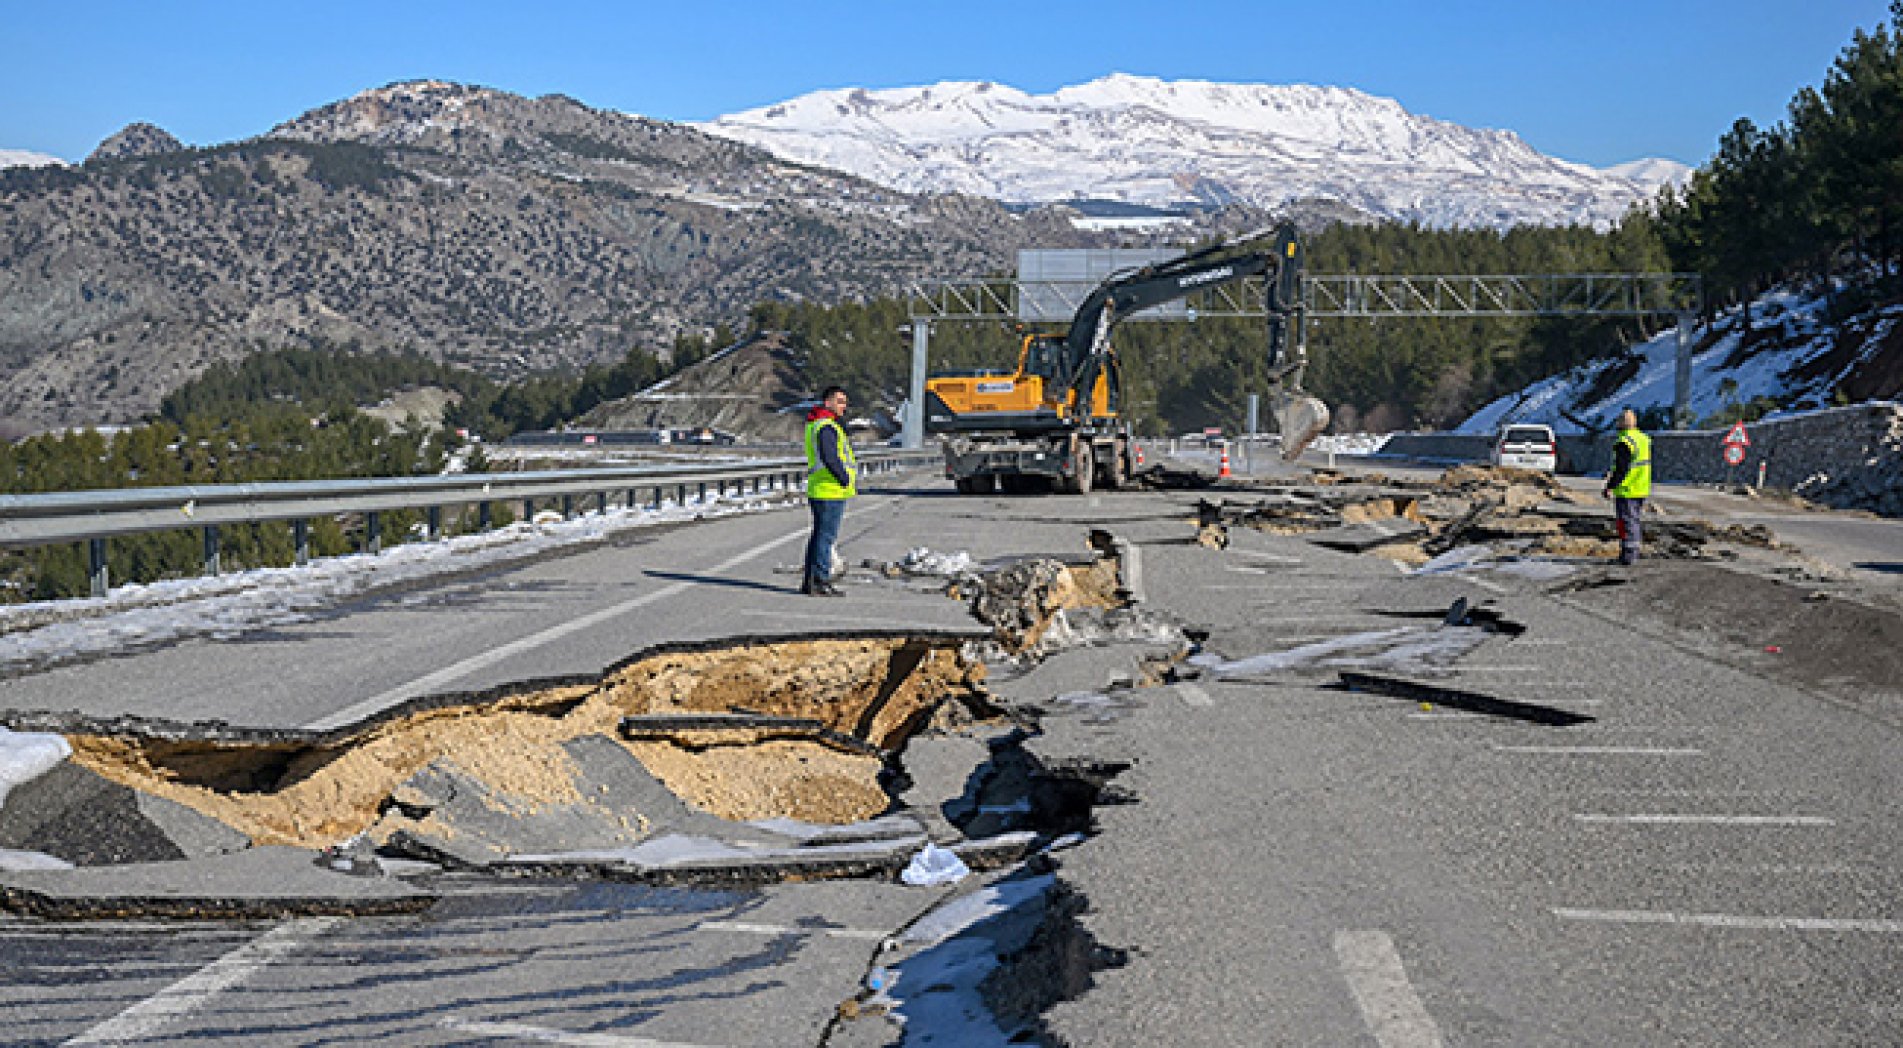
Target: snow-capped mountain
(24, 158)
(1167, 144)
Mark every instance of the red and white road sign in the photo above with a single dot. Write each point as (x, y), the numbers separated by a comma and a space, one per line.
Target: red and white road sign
(1734, 453)
(1738, 436)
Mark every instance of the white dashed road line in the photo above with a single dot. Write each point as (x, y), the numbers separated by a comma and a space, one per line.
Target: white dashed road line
(1389, 1006)
(1193, 695)
(548, 1035)
(1727, 920)
(788, 929)
(1606, 751)
(1711, 820)
(150, 1017)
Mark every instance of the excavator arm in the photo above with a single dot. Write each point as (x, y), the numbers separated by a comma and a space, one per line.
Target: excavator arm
(1087, 344)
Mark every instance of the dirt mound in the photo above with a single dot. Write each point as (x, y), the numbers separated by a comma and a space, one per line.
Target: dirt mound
(1804, 636)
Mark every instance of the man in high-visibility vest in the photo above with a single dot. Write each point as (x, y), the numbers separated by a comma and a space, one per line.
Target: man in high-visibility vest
(1629, 483)
(831, 479)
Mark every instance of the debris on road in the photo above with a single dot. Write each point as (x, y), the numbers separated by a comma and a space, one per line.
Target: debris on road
(1429, 695)
(1512, 512)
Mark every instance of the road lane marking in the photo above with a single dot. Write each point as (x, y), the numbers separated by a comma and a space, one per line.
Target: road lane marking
(788, 929)
(1606, 751)
(1193, 695)
(1727, 920)
(150, 1017)
(1378, 980)
(458, 670)
(549, 1035)
(882, 620)
(1711, 820)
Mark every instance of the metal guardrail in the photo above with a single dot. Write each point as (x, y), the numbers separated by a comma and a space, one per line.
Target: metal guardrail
(94, 517)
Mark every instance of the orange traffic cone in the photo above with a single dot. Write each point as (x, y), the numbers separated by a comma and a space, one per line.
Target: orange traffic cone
(1140, 457)
(1224, 471)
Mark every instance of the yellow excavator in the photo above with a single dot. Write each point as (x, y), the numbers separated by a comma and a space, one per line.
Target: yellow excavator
(1060, 414)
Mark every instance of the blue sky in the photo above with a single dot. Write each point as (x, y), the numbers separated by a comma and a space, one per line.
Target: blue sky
(1599, 83)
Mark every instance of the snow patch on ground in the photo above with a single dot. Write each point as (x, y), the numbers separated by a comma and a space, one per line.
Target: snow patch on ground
(48, 633)
(26, 755)
(1804, 334)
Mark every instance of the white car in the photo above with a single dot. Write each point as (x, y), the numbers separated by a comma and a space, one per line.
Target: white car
(1527, 447)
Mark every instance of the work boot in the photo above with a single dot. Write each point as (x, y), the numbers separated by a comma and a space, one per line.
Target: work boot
(806, 584)
(825, 588)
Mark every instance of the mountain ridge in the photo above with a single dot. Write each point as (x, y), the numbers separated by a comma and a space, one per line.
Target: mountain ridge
(480, 228)
(1123, 138)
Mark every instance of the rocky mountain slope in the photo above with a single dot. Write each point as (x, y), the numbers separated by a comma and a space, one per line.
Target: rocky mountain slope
(756, 390)
(1187, 143)
(481, 228)
(1788, 353)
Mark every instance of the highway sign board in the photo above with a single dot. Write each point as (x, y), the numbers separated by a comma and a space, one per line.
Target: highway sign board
(1734, 453)
(1738, 436)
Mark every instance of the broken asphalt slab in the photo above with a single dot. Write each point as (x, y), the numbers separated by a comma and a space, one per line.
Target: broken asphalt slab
(676, 859)
(462, 822)
(257, 882)
(75, 814)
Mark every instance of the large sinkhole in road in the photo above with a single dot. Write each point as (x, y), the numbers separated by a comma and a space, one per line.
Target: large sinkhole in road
(802, 727)
(800, 730)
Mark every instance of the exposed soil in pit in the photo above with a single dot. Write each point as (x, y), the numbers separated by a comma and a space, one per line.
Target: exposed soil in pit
(311, 790)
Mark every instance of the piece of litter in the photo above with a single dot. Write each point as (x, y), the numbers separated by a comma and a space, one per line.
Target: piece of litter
(1773, 649)
(934, 866)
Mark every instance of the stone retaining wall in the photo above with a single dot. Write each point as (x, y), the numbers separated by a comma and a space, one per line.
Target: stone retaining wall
(1845, 457)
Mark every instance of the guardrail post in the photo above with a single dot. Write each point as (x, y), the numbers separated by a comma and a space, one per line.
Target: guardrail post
(433, 528)
(484, 518)
(96, 566)
(631, 500)
(658, 496)
(601, 503)
(680, 494)
(528, 511)
(702, 497)
(373, 533)
(568, 507)
(301, 540)
(211, 550)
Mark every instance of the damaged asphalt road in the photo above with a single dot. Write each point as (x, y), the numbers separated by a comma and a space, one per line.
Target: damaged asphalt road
(1234, 773)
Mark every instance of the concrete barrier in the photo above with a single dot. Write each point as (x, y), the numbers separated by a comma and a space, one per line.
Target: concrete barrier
(1848, 457)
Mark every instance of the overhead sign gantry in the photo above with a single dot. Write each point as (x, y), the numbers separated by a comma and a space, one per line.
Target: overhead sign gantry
(1679, 295)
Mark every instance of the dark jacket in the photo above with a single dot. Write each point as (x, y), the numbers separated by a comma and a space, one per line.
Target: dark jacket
(1621, 461)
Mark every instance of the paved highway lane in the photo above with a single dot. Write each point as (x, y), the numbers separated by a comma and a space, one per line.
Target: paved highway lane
(1712, 858)
(564, 616)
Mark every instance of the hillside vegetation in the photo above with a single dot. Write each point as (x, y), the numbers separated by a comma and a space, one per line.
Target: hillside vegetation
(505, 235)
(1816, 200)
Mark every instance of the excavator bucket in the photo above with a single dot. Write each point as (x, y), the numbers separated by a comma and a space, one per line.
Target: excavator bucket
(1301, 419)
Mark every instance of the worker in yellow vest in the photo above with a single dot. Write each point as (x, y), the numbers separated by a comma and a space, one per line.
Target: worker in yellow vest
(1629, 483)
(831, 479)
